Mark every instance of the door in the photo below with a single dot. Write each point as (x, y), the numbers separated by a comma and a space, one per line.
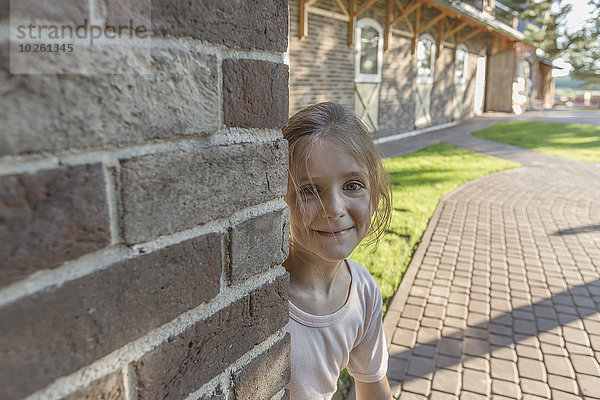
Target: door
(367, 71)
(500, 72)
(366, 104)
(479, 86)
(425, 68)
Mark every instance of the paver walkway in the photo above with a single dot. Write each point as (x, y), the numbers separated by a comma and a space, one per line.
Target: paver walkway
(502, 298)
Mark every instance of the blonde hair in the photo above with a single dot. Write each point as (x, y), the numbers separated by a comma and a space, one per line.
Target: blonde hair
(336, 123)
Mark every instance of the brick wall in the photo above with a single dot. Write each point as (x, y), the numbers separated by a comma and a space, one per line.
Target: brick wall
(321, 65)
(142, 226)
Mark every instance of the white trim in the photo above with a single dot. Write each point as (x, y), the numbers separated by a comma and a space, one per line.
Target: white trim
(358, 76)
(326, 13)
(403, 135)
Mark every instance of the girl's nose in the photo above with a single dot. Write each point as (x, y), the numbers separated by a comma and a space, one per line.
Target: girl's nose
(334, 206)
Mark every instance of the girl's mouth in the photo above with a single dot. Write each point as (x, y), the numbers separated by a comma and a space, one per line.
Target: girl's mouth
(333, 233)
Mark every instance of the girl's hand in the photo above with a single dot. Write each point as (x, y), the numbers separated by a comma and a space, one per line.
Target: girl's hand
(373, 391)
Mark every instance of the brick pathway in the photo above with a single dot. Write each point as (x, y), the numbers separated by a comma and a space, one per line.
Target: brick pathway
(502, 299)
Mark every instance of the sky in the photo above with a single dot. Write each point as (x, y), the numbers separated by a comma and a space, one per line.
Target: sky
(575, 19)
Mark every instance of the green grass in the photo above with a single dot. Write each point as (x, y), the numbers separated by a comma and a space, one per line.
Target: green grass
(574, 141)
(419, 180)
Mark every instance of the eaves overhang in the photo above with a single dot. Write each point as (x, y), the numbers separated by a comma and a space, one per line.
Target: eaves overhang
(481, 18)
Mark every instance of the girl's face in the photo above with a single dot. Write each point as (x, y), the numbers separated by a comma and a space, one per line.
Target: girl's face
(332, 212)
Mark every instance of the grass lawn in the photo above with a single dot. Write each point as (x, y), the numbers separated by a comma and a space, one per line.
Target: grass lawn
(574, 141)
(419, 180)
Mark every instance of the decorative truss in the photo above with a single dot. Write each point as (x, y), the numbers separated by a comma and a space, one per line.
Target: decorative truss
(452, 23)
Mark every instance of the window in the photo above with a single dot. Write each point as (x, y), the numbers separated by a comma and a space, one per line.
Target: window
(369, 51)
(460, 66)
(425, 59)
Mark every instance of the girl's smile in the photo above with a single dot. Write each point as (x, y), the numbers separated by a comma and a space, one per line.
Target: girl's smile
(334, 233)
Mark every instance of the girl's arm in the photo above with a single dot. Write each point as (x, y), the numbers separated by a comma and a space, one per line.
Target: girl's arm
(373, 391)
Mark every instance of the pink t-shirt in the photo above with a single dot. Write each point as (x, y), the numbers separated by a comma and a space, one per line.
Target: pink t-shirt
(352, 337)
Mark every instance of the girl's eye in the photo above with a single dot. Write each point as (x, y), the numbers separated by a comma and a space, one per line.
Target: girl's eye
(353, 186)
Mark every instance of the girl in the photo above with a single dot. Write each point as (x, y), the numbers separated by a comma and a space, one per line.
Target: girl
(338, 193)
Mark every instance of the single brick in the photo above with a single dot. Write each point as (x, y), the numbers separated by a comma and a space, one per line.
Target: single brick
(427, 335)
(562, 383)
(505, 388)
(404, 337)
(255, 94)
(533, 386)
(558, 365)
(109, 387)
(413, 312)
(533, 369)
(261, 24)
(450, 347)
(56, 332)
(503, 369)
(418, 386)
(476, 381)
(258, 244)
(166, 193)
(397, 369)
(588, 384)
(101, 110)
(266, 375)
(585, 364)
(51, 217)
(420, 366)
(446, 380)
(186, 361)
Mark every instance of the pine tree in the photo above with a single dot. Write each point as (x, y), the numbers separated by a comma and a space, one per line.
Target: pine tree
(544, 19)
(583, 51)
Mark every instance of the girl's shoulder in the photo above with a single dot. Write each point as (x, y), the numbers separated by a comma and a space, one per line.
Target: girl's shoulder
(361, 278)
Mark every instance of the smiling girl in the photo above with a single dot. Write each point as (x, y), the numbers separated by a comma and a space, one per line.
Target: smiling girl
(339, 194)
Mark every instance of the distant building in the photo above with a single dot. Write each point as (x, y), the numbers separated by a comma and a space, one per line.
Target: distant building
(404, 65)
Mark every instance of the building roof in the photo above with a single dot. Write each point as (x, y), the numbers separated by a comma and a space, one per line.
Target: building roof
(481, 18)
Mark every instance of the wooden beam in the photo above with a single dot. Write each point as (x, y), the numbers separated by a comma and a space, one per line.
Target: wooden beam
(417, 23)
(303, 19)
(406, 21)
(468, 36)
(438, 45)
(362, 8)
(342, 7)
(431, 23)
(351, 22)
(455, 29)
(388, 18)
(414, 6)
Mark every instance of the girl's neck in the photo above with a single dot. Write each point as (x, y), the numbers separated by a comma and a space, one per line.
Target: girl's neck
(313, 273)
(317, 286)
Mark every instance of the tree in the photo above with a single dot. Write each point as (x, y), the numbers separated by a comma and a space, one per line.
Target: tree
(544, 20)
(583, 50)
(546, 30)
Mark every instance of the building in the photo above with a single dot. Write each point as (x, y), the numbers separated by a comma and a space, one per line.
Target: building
(405, 65)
